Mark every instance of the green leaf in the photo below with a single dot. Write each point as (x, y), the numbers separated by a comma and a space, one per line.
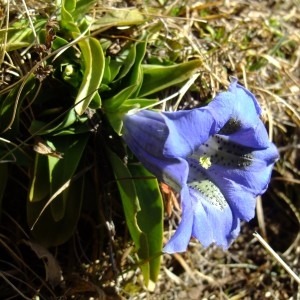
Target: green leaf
(93, 69)
(71, 74)
(120, 17)
(59, 42)
(136, 72)
(96, 102)
(10, 106)
(111, 70)
(73, 14)
(67, 21)
(69, 5)
(56, 193)
(131, 73)
(40, 185)
(128, 195)
(62, 170)
(142, 205)
(115, 117)
(157, 78)
(82, 7)
(41, 127)
(150, 216)
(17, 38)
(128, 57)
(131, 68)
(113, 103)
(49, 232)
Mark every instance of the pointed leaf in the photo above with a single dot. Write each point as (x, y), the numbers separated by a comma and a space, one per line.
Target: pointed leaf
(62, 170)
(43, 128)
(40, 186)
(157, 78)
(47, 231)
(113, 103)
(115, 117)
(136, 72)
(67, 21)
(150, 216)
(120, 17)
(94, 62)
(144, 227)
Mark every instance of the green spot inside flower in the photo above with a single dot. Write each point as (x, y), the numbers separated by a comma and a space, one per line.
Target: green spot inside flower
(205, 161)
(210, 192)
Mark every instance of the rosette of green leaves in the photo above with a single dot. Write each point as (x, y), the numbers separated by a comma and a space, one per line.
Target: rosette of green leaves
(51, 100)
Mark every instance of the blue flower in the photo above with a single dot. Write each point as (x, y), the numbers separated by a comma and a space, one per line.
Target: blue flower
(217, 157)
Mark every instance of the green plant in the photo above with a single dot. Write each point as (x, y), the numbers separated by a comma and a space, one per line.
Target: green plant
(70, 93)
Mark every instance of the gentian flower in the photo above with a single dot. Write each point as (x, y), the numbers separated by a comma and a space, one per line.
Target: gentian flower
(218, 158)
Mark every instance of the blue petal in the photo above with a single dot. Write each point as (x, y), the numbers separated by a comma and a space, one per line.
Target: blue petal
(189, 130)
(192, 128)
(242, 201)
(254, 137)
(181, 238)
(212, 225)
(255, 175)
(241, 187)
(240, 179)
(203, 220)
(217, 157)
(214, 220)
(237, 103)
(240, 91)
(147, 144)
(147, 131)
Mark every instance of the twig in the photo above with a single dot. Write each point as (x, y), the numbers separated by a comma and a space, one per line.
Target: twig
(277, 257)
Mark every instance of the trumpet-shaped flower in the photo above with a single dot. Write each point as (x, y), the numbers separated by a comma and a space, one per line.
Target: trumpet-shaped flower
(217, 157)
